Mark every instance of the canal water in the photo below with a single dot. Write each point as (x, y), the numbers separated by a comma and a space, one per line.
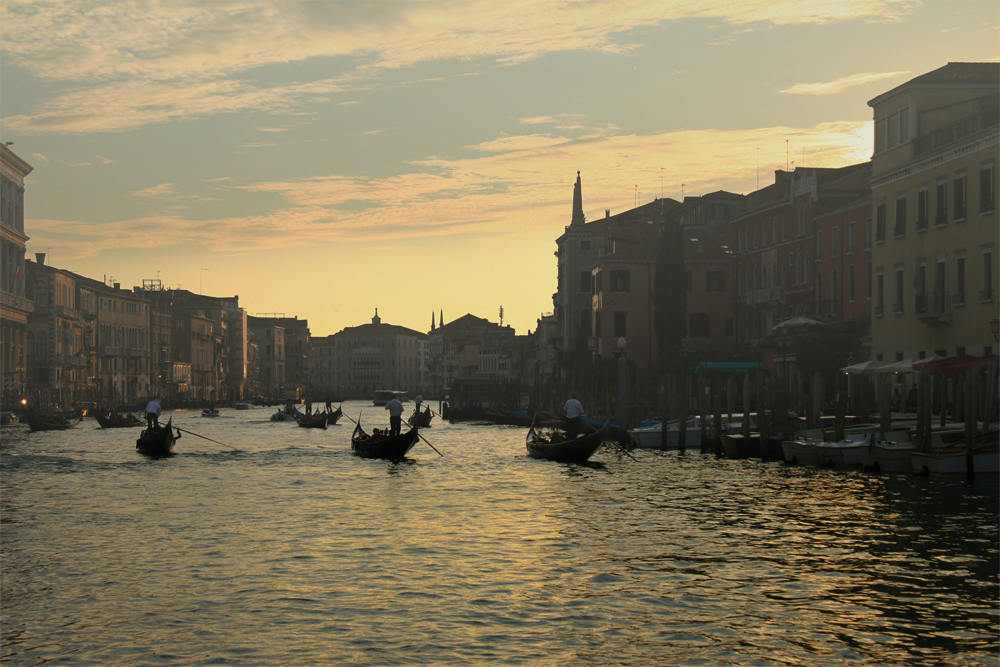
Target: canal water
(292, 551)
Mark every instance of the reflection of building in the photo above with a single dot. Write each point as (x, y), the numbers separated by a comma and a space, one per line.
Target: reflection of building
(379, 356)
(14, 307)
(934, 184)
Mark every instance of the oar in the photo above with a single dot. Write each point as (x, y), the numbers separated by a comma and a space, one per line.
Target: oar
(204, 438)
(428, 442)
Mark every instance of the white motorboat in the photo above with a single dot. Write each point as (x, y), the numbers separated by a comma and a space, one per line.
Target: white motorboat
(649, 437)
(953, 460)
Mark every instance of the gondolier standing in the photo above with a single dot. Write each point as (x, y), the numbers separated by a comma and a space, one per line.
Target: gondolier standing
(573, 410)
(153, 412)
(395, 409)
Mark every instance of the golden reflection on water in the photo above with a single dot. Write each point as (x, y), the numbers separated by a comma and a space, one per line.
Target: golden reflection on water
(293, 551)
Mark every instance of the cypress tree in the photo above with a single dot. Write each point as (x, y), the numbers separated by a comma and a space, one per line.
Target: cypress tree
(670, 289)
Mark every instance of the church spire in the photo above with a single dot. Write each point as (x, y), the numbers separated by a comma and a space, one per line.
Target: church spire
(578, 218)
(432, 320)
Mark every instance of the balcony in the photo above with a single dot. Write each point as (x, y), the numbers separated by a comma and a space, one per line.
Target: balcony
(957, 131)
(14, 301)
(933, 308)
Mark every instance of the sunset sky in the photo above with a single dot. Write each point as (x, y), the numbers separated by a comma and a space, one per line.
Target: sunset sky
(322, 159)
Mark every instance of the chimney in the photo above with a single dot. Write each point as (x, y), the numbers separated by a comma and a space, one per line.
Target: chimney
(607, 213)
(117, 285)
(40, 258)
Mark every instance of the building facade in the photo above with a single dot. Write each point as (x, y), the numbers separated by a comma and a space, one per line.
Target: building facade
(934, 183)
(15, 308)
(378, 356)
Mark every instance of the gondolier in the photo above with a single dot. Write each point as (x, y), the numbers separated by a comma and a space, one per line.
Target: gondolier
(395, 408)
(573, 411)
(153, 412)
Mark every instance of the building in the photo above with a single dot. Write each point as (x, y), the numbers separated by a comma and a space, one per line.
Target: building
(934, 184)
(378, 356)
(270, 367)
(470, 347)
(14, 307)
(777, 245)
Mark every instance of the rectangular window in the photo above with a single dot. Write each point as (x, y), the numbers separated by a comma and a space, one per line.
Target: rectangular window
(833, 242)
(897, 307)
(819, 245)
(987, 189)
(960, 279)
(868, 281)
(941, 204)
(899, 229)
(620, 329)
(986, 292)
(958, 197)
(619, 281)
(879, 223)
(920, 287)
(585, 281)
(850, 238)
(850, 283)
(699, 325)
(868, 234)
(922, 212)
(715, 281)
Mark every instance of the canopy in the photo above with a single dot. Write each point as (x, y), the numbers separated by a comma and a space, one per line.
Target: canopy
(729, 367)
(865, 367)
(952, 366)
(796, 322)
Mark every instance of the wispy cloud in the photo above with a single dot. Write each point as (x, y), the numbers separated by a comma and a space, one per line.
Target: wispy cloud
(139, 63)
(841, 84)
(520, 186)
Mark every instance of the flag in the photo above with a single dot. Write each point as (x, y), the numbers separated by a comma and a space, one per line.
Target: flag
(17, 273)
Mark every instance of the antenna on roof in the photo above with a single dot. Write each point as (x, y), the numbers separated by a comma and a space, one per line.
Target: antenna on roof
(501, 316)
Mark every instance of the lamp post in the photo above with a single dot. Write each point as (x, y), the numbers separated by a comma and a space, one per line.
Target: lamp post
(622, 388)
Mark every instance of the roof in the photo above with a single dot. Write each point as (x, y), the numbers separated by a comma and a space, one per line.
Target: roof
(952, 74)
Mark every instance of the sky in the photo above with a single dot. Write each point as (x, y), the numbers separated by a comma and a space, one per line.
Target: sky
(322, 159)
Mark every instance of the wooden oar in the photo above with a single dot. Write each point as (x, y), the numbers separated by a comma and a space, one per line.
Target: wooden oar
(204, 438)
(429, 444)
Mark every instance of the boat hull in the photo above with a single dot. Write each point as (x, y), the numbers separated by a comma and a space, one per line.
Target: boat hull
(394, 448)
(157, 441)
(567, 450)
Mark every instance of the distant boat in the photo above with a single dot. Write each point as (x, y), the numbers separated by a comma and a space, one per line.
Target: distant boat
(209, 412)
(55, 421)
(115, 420)
(313, 421)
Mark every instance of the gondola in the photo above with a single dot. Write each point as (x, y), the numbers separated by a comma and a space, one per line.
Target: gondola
(420, 419)
(332, 417)
(317, 420)
(379, 446)
(158, 440)
(38, 421)
(115, 420)
(557, 447)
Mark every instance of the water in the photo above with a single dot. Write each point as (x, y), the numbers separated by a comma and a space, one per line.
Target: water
(292, 551)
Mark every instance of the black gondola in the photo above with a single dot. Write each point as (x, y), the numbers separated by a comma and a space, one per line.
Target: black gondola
(158, 440)
(332, 417)
(317, 420)
(115, 420)
(40, 421)
(380, 446)
(557, 447)
(420, 418)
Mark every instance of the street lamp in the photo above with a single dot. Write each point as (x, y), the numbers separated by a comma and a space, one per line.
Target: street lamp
(995, 329)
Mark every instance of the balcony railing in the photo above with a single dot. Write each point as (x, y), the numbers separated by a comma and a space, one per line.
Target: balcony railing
(933, 307)
(956, 131)
(14, 301)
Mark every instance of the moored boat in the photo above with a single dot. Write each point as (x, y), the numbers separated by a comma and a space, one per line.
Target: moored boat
(554, 445)
(954, 460)
(158, 440)
(378, 445)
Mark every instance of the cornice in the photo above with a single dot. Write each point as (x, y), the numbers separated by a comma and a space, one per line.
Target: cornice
(933, 162)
